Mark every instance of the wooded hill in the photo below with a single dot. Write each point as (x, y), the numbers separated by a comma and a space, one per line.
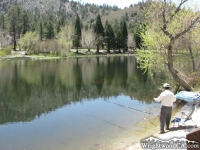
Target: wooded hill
(47, 17)
(87, 12)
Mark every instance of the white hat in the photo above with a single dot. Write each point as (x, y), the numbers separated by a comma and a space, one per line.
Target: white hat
(166, 85)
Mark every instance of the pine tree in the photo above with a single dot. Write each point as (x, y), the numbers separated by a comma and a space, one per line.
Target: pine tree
(58, 27)
(41, 33)
(50, 34)
(137, 36)
(25, 19)
(2, 21)
(33, 23)
(119, 37)
(77, 33)
(109, 37)
(124, 36)
(49, 26)
(99, 31)
(62, 17)
(15, 23)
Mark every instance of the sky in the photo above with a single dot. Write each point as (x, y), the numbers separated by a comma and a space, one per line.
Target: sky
(120, 3)
(126, 3)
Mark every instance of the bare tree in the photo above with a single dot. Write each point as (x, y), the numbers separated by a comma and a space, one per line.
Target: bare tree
(88, 39)
(131, 41)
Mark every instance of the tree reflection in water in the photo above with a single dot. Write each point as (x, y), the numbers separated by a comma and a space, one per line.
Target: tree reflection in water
(30, 89)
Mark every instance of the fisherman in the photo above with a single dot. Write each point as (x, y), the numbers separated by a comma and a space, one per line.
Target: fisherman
(166, 98)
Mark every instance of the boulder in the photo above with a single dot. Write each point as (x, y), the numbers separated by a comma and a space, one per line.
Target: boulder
(193, 135)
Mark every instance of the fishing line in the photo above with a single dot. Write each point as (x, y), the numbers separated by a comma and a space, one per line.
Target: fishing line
(139, 126)
(125, 107)
(135, 109)
(128, 130)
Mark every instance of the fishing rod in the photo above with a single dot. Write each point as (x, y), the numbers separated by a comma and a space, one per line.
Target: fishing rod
(135, 109)
(117, 125)
(122, 106)
(128, 130)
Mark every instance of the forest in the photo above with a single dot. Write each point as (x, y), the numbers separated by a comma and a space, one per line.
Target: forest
(60, 26)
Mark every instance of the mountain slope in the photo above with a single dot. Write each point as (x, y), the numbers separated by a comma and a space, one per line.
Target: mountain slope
(87, 12)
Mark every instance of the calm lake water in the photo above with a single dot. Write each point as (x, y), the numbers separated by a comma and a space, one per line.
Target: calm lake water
(72, 104)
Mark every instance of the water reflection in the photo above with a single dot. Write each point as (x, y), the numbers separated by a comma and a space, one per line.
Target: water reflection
(30, 88)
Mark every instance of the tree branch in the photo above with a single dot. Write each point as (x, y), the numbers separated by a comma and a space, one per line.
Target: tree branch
(198, 68)
(178, 8)
(164, 17)
(165, 22)
(167, 33)
(188, 28)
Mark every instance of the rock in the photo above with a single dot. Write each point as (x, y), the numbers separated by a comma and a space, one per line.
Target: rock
(193, 135)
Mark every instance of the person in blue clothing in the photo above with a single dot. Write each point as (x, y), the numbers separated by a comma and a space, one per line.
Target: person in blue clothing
(166, 98)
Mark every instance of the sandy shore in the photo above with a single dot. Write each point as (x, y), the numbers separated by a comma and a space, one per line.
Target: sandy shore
(176, 131)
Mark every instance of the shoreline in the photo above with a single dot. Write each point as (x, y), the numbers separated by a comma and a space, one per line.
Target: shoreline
(148, 130)
(102, 53)
(176, 131)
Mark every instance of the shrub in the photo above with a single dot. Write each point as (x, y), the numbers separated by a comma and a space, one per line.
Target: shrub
(28, 41)
(6, 51)
(194, 79)
(47, 47)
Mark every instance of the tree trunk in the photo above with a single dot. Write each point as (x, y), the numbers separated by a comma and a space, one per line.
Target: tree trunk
(198, 68)
(173, 72)
(14, 41)
(177, 78)
(108, 48)
(192, 57)
(177, 88)
(98, 48)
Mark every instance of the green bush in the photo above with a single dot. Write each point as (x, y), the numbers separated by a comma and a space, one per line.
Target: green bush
(6, 51)
(2, 53)
(28, 41)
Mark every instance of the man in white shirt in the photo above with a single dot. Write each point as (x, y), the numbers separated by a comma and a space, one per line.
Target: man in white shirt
(167, 99)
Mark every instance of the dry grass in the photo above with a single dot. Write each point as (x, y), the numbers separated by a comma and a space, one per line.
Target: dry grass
(118, 14)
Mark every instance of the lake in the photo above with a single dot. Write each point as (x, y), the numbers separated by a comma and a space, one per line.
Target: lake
(76, 103)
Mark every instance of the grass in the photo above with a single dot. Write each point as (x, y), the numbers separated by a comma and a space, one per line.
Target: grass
(92, 53)
(119, 14)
